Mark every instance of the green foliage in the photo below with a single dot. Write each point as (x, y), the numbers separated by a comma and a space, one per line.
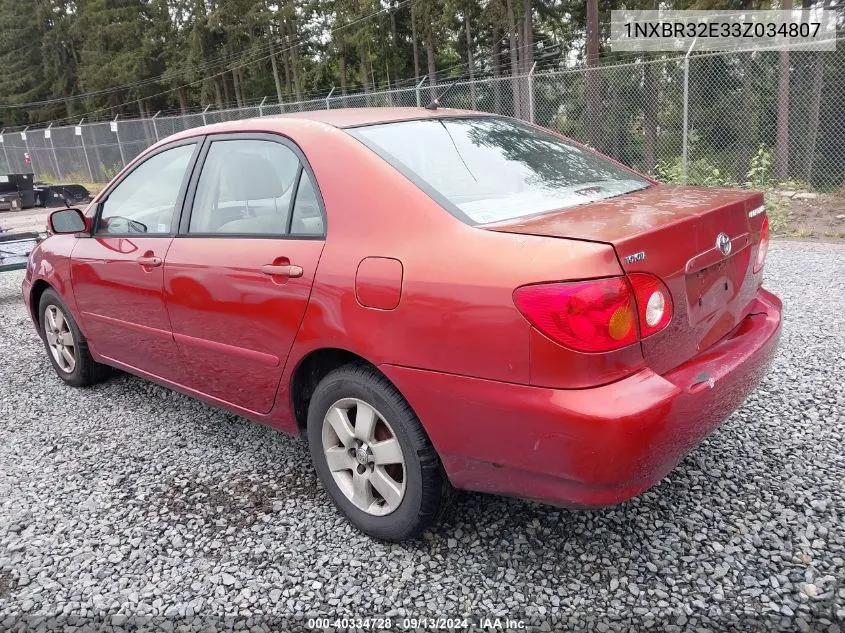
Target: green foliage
(701, 172)
(110, 171)
(777, 210)
(760, 175)
(706, 172)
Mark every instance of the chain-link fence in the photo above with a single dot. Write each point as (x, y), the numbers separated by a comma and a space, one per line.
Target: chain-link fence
(723, 119)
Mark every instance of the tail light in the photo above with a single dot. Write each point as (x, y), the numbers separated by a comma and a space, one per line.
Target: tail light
(599, 315)
(588, 316)
(654, 303)
(763, 247)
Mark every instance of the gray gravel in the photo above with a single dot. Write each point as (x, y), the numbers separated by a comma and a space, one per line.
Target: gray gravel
(128, 500)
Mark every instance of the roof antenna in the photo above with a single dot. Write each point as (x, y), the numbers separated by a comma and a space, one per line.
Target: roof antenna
(436, 103)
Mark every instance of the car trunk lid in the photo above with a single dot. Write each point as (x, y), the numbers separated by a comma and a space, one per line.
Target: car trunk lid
(672, 232)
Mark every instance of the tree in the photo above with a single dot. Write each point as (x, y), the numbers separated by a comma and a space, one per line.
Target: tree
(781, 168)
(814, 109)
(593, 83)
(21, 65)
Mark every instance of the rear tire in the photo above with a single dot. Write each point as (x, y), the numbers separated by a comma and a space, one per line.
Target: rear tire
(66, 347)
(385, 475)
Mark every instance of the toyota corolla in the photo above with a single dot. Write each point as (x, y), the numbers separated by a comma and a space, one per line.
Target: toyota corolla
(435, 299)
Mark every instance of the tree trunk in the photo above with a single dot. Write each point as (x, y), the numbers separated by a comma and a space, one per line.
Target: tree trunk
(527, 55)
(593, 85)
(294, 64)
(218, 97)
(341, 65)
(650, 109)
(395, 55)
(528, 37)
(514, 55)
(470, 63)
(781, 168)
(227, 97)
(242, 84)
(750, 111)
(286, 66)
(495, 63)
(275, 65)
(364, 71)
(414, 40)
(183, 99)
(814, 113)
(237, 84)
(432, 66)
(650, 101)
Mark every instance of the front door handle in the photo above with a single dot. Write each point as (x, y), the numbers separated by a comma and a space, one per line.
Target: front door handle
(149, 262)
(286, 270)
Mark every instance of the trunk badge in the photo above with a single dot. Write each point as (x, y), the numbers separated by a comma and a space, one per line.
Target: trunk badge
(635, 257)
(723, 243)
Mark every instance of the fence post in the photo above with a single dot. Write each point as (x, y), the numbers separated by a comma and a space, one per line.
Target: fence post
(29, 151)
(328, 105)
(419, 86)
(49, 132)
(116, 127)
(531, 93)
(261, 107)
(685, 132)
(155, 125)
(78, 131)
(5, 153)
(204, 122)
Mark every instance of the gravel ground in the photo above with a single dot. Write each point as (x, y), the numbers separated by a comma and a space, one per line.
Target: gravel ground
(129, 500)
(29, 220)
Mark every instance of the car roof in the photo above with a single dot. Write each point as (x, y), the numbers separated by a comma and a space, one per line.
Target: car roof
(339, 118)
(352, 117)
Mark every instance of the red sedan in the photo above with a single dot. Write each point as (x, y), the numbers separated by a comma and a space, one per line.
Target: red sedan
(435, 299)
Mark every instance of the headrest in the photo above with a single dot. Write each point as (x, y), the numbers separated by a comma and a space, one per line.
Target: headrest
(250, 177)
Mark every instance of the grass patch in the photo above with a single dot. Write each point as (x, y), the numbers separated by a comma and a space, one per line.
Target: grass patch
(777, 208)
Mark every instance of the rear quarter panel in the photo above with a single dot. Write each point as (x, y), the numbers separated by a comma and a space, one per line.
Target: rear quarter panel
(456, 312)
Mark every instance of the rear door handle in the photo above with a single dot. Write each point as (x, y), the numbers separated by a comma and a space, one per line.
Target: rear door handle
(151, 262)
(286, 270)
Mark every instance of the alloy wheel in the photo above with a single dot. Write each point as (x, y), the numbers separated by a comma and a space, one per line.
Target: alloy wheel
(60, 339)
(364, 456)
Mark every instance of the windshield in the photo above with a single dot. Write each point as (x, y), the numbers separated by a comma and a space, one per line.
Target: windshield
(493, 169)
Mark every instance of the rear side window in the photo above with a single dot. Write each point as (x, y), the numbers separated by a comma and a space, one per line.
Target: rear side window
(307, 218)
(245, 188)
(489, 169)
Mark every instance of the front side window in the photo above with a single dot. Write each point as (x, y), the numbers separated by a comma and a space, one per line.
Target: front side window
(245, 188)
(493, 169)
(145, 201)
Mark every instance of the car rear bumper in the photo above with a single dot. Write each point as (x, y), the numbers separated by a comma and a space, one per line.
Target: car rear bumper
(588, 447)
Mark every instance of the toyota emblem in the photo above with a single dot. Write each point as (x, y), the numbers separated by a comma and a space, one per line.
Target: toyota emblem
(723, 243)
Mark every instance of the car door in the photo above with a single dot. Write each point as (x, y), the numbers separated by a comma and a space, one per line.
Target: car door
(118, 273)
(238, 275)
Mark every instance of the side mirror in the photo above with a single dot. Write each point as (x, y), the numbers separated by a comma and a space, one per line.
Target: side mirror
(66, 221)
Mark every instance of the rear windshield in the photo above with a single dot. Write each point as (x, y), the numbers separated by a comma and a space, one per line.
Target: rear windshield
(489, 169)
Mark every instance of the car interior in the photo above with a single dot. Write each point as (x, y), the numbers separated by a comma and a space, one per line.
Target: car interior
(242, 192)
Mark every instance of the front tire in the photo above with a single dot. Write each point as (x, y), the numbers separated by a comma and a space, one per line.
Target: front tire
(373, 456)
(66, 347)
